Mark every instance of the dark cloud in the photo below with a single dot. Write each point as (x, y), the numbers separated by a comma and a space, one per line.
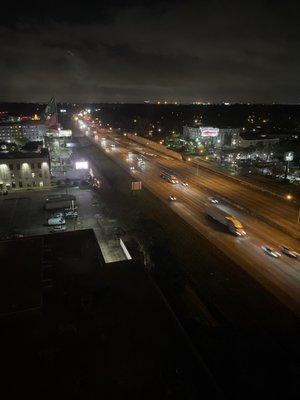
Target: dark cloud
(132, 51)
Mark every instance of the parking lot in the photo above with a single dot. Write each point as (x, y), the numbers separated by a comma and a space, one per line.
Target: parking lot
(23, 213)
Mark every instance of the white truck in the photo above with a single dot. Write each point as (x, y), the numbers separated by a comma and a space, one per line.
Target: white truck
(232, 224)
(56, 221)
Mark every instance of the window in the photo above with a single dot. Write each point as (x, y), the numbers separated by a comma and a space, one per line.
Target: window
(20, 184)
(32, 165)
(39, 165)
(40, 175)
(32, 174)
(11, 167)
(18, 166)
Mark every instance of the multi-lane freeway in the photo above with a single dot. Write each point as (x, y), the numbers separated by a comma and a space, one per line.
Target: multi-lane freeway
(279, 275)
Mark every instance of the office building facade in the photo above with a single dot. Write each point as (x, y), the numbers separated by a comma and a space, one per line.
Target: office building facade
(24, 170)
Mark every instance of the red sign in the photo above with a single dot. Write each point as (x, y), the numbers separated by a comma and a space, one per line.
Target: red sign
(209, 132)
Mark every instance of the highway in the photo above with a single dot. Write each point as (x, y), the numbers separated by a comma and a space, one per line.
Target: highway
(281, 276)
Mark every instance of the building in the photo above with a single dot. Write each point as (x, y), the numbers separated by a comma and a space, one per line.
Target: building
(228, 138)
(24, 170)
(21, 269)
(104, 331)
(217, 137)
(31, 130)
(247, 140)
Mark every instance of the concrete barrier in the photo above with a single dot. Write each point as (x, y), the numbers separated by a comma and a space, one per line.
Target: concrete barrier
(155, 146)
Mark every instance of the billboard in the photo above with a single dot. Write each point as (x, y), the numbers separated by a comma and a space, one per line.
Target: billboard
(209, 131)
(136, 185)
(81, 165)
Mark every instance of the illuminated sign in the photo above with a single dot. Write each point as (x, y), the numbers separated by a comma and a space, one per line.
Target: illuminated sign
(82, 165)
(136, 185)
(209, 132)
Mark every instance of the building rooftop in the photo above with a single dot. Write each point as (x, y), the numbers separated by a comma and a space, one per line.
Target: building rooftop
(106, 332)
(20, 283)
(25, 154)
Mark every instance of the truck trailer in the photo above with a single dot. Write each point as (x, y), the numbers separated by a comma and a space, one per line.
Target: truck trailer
(229, 221)
(60, 202)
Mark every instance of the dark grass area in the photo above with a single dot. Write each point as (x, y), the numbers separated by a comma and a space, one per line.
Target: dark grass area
(255, 331)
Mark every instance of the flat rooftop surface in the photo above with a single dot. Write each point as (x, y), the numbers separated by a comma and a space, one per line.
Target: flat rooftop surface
(20, 266)
(106, 332)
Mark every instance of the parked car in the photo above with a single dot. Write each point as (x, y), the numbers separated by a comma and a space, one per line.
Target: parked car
(58, 215)
(184, 184)
(71, 209)
(56, 221)
(71, 214)
(58, 228)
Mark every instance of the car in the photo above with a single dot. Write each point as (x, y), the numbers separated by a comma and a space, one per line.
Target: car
(58, 215)
(71, 214)
(58, 228)
(56, 221)
(213, 200)
(71, 209)
(288, 251)
(184, 184)
(132, 168)
(271, 251)
(172, 198)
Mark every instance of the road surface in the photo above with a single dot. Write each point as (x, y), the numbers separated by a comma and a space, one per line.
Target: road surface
(280, 276)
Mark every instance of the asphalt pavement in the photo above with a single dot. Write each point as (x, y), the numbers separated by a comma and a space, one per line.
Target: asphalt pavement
(280, 276)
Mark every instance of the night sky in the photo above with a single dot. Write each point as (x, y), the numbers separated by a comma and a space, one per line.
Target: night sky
(218, 50)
